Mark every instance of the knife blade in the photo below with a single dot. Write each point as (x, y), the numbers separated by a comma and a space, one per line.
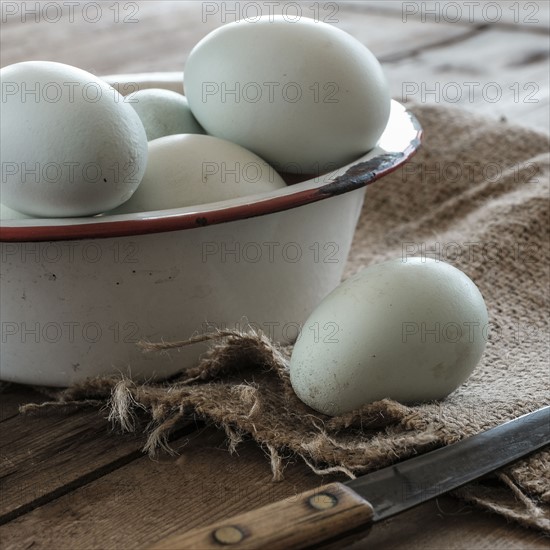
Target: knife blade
(328, 513)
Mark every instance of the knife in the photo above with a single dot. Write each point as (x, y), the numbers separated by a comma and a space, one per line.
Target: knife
(327, 514)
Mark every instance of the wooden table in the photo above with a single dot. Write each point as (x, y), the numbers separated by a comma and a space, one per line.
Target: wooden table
(70, 481)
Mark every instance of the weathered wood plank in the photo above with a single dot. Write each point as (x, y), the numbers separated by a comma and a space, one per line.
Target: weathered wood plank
(529, 16)
(139, 503)
(164, 33)
(12, 396)
(45, 456)
(496, 72)
(144, 501)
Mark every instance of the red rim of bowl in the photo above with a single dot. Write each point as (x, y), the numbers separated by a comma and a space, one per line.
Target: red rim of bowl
(359, 174)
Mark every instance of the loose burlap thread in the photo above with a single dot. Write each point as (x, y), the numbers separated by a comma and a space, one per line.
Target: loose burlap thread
(476, 196)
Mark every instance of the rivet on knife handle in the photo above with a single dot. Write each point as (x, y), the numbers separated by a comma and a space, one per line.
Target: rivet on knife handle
(301, 521)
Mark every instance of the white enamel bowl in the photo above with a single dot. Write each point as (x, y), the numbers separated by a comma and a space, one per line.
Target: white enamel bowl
(76, 295)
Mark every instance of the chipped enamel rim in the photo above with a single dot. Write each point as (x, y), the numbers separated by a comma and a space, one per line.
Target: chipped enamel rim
(399, 142)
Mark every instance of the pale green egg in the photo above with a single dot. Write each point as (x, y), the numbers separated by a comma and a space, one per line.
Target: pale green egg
(411, 330)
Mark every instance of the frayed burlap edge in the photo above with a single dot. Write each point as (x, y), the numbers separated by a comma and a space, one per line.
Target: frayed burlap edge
(406, 431)
(168, 404)
(508, 500)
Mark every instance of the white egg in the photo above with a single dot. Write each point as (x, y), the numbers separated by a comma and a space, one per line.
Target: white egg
(70, 145)
(409, 330)
(191, 169)
(163, 113)
(304, 95)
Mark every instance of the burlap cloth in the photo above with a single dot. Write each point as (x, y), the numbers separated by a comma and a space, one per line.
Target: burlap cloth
(476, 196)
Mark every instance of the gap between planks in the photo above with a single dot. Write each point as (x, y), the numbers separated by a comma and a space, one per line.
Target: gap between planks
(144, 501)
(515, 15)
(45, 456)
(414, 52)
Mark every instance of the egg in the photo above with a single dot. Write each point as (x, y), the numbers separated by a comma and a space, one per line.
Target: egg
(409, 330)
(192, 169)
(163, 113)
(304, 95)
(70, 145)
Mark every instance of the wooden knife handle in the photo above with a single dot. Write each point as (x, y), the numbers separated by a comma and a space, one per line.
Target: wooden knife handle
(322, 515)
